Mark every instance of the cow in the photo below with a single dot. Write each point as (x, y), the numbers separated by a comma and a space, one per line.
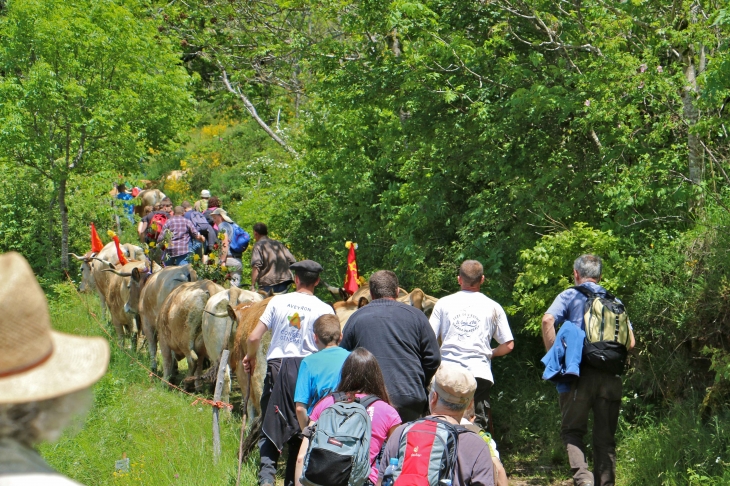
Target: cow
(179, 325)
(92, 277)
(417, 298)
(116, 297)
(147, 293)
(216, 321)
(148, 197)
(247, 316)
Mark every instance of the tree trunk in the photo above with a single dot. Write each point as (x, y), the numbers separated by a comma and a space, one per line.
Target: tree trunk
(691, 115)
(64, 222)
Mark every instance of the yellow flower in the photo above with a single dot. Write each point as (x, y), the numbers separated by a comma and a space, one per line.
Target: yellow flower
(224, 268)
(146, 252)
(111, 233)
(196, 257)
(152, 244)
(212, 256)
(215, 265)
(221, 236)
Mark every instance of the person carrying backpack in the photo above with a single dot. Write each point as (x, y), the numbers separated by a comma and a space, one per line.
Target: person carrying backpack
(233, 245)
(203, 227)
(609, 337)
(360, 396)
(436, 449)
(150, 225)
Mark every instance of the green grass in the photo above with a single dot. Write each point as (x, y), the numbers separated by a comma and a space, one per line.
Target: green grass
(168, 441)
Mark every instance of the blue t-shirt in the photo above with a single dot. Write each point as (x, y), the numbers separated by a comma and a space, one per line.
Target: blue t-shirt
(319, 375)
(569, 305)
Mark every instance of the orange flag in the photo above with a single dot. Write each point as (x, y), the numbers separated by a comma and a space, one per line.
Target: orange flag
(351, 276)
(96, 244)
(120, 255)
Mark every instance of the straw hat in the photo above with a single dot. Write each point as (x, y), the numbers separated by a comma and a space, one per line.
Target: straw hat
(37, 363)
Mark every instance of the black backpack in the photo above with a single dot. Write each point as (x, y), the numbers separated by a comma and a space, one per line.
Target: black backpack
(607, 331)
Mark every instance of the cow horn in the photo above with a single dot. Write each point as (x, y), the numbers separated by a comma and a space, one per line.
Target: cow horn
(117, 272)
(104, 261)
(233, 294)
(80, 258)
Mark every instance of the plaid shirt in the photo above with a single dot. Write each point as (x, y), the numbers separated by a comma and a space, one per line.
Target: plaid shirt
(182, 229)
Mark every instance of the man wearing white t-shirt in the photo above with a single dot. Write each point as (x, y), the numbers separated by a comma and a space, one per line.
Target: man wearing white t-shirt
(290, 319)
(466, 323)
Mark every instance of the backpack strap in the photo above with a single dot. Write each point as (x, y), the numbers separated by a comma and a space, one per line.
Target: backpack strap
(367, 400)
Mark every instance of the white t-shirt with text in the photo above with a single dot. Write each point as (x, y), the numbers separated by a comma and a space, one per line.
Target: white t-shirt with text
(466, 322)
(290, 318)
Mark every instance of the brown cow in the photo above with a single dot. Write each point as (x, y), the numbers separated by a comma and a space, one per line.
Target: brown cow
(248, 315)
(179, 325)
(147, 293)
(116, 297)
(417, 298)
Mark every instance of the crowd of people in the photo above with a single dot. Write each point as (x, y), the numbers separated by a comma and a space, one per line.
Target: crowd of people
(403, 398)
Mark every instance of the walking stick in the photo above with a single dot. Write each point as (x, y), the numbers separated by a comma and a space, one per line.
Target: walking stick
(243, 428)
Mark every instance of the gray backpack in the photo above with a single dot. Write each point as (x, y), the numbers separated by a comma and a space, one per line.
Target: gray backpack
(339, 447)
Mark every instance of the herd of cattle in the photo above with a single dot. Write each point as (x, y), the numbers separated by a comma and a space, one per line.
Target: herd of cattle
(193, 318)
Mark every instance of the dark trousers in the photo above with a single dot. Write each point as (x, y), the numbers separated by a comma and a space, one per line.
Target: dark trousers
(600, 392)
(280, 288)
(268, 451)
(409, 408)
(481, 404)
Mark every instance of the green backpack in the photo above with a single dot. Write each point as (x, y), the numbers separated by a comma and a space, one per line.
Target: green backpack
(607, 331)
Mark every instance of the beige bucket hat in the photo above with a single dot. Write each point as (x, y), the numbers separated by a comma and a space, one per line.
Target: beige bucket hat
(220, 212)
(454, 384)
(37, 363)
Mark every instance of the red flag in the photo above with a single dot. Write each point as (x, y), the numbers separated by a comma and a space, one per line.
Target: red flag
(351, 276)
(96, 244)
(120, 255)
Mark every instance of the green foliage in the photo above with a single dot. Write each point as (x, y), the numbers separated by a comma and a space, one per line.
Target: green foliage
(81, 93)
(547, 269)
(678, 449)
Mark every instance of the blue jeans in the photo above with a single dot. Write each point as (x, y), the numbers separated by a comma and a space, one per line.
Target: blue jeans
(177, 260)
(196, 247)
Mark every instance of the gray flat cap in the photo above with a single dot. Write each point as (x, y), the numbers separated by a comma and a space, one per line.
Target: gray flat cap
(306, 266)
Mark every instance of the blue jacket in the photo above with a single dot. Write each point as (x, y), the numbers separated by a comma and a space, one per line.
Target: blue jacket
(562, 362)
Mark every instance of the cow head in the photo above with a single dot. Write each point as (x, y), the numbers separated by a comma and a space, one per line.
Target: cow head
(87, 275)
(136, 284)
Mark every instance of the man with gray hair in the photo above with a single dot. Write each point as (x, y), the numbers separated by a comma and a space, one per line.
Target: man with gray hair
(466, 323)
(402, 341)
(596, 390)
(452, 391)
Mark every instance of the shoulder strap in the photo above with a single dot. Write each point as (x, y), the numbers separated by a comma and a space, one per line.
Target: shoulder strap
(367, 400)
(339, 397)
(589, 293)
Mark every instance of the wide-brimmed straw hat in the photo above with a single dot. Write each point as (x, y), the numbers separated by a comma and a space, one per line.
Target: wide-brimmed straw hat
(37, 363)
(223, 214)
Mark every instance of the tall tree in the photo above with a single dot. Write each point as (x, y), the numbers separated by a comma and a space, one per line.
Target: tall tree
(86, 86)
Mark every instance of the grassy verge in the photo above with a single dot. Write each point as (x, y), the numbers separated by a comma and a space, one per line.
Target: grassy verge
(168, 441)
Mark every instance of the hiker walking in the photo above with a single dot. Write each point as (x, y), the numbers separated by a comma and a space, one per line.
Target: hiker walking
(595, 389)
(466, 323)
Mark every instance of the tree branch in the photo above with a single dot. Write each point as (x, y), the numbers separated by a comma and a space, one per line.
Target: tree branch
(252, 110)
